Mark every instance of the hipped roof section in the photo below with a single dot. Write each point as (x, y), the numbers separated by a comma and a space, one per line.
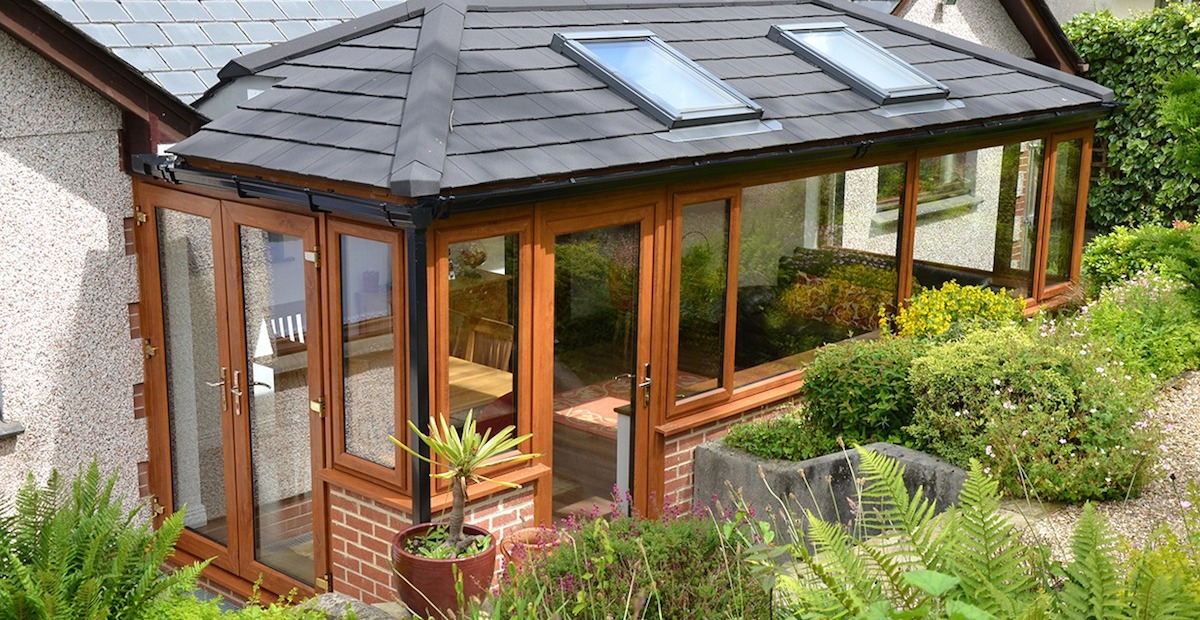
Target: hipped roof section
(434, 96)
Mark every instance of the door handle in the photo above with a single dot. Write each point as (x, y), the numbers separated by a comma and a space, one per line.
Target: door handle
(237, 392)
(224, 400)
(645, 384)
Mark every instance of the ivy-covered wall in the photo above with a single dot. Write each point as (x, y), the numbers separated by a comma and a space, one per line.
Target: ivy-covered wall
(1139, 180)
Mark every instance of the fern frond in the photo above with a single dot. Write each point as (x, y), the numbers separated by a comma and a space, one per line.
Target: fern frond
(1156, 596)
(986, 551)
(887, 507)
(839, 568)
(1093, 590)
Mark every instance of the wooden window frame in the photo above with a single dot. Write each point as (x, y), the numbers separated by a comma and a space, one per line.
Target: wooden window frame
(1044, 291)
(439, 328)
(396, 477)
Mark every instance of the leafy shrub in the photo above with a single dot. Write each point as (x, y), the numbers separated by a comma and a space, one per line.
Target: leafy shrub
(71, 551)
(1180, 113)
(188, 607)
(790, 437)
(933, 312)
(1147, 321)
(859, 389)
(629, 567)
(968, 563)
(1135, 57)
(1125, 252)
(1055, 414)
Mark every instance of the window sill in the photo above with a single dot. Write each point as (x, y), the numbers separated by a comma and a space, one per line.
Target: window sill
(9, 430)
(935, 209)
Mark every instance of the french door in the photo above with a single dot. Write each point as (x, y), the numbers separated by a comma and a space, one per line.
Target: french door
(240, 365)
(600, 291)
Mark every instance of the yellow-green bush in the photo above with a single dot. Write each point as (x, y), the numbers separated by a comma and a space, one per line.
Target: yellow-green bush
(933, 312)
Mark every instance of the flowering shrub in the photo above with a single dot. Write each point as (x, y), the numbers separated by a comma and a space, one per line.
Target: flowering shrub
(1169, 251)
(935, 311)
(1052, 412)
(681, 565)
(790, 437)
(1147, 320)
(859, 390)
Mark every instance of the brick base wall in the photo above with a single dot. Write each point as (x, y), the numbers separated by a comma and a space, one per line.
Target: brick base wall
(679, 452)
(361, 532)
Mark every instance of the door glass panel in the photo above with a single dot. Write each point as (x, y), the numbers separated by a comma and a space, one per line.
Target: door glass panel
(595, 347)
(186, 267)
(703, 269)
(368, 360)
(483, 314)
(277, 336)
(1068, 156)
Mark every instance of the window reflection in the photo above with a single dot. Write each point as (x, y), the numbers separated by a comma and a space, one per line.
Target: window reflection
(368, 349)
(703, 267)
(482, 320)
(1068, 159)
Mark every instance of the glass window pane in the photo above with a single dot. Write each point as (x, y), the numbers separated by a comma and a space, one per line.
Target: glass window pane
(703, 270)
(195, 399)
(482, 330)
(975, 218)
(1062, 211)
(883, 70)
(813, 268)
(656, 72)
(368, 355)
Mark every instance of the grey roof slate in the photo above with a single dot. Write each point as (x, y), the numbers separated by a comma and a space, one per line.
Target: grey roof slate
(440, 96)
(151, 35)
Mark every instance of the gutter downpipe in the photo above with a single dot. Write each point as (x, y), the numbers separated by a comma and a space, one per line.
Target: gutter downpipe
(417, 247)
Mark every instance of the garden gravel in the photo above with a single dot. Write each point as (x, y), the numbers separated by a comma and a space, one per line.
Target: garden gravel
(1178, 409)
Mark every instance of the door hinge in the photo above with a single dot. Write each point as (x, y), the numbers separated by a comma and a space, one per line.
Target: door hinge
(314, 256)
(139, 216)
(321, 584)
(156, 508)
(148, 349)
(317, 406)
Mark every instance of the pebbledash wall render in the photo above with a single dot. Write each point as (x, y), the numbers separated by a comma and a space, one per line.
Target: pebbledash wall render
(449, 207)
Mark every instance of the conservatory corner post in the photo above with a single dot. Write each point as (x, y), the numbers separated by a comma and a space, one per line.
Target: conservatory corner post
(418, 369)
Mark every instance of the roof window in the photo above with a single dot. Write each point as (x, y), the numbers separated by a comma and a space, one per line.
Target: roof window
(658, 78)
(868, 68)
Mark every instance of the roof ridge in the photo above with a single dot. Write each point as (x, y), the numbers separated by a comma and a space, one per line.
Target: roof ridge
(279, 53)
(993, 55)
(420, 155)
(577, 5)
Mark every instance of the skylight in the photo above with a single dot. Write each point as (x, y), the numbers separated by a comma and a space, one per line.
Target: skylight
(658, 78)
(868, 68)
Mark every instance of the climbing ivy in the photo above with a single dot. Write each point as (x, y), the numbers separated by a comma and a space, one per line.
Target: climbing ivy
(1137, 57)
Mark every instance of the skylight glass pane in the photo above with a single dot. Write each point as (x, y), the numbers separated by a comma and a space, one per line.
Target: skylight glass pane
(657, 72)
(883, 70)
(869, 69)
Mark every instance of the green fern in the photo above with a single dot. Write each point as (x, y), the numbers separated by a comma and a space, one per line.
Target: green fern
(1093, 587)
(986, 553)
(74, 553)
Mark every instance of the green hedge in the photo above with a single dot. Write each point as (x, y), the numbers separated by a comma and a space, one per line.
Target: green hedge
(1136, 57)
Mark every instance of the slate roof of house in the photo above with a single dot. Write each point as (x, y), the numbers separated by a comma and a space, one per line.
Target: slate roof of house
(423, 99)
(181, 44)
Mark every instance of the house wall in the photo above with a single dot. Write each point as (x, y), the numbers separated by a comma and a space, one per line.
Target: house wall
(68, 360)
(1064, 10)
(980, 21)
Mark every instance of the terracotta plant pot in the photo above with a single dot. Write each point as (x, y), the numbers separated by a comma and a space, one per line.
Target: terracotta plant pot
(426, 585)
(528, 544)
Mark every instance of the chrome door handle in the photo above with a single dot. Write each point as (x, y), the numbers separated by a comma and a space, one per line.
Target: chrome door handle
(237, 392)
(224, 400)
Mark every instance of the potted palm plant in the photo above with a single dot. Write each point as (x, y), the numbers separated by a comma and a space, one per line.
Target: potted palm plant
(444, 563)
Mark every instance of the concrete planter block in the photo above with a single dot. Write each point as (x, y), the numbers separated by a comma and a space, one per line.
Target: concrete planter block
(826, 486)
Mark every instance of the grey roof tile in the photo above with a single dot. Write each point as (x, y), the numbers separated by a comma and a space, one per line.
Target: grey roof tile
(142, 34)
(262, 10)
(334, 9)
(180, 81)
(262, 32)
(226, 10)
(294, 29)
(185, 34)
(186, 10)
(218, 55)
(68, 9)
(143, 58)
(106, 34)
(360, 7)
(103, 11)
(250, 49)
(223, 32)
(183, 58)
(298, 9)
(152, 12)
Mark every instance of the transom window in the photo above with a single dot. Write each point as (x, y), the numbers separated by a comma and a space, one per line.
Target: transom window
(868, 68)
(658, 78)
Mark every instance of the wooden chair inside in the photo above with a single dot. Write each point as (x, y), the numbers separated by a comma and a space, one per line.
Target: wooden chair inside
(490, 343)
(461, 325)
